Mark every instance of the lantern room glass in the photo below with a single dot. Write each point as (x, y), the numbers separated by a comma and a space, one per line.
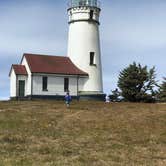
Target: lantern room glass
(75, 3)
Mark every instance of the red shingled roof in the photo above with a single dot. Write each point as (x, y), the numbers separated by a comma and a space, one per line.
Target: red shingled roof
(52, 65)
(19, 69)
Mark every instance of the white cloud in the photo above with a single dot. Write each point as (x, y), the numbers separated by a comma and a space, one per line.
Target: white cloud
(33, 29)
(4, 98)
(132, 28)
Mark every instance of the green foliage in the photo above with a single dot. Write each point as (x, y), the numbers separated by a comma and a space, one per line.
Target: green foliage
(162, 91)
(137, 83)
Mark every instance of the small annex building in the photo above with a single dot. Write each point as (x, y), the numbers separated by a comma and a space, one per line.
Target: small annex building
(43, 76)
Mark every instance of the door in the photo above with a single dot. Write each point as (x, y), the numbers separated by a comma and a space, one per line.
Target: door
(21, 88)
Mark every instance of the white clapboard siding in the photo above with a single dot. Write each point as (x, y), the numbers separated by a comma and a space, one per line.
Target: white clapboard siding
(55, 85)
(12, 83)
(28, 83)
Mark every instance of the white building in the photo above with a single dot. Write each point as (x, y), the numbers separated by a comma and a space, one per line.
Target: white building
(42, 76)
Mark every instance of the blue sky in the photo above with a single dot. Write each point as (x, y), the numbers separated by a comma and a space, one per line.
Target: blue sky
(130, 30)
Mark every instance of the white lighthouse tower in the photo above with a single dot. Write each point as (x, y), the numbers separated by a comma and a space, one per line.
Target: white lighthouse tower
(84, 43)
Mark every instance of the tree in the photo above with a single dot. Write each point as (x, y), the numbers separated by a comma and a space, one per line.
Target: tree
(162, 91)
(137, 83)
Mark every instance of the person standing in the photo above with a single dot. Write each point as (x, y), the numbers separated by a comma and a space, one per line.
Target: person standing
(67, 99)
(107, 99)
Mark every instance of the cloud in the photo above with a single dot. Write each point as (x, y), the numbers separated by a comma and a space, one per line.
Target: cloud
(33, 27)
(131, 27)
(4, 87)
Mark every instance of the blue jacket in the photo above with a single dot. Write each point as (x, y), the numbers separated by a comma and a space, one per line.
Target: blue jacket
(68, 98)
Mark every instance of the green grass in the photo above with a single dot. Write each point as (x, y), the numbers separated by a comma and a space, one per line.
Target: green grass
(46, 133)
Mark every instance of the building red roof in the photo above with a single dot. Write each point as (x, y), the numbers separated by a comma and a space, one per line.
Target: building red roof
(19, 69)
(52, 65)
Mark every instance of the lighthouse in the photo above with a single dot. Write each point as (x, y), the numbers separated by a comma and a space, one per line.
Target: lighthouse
(84, 43)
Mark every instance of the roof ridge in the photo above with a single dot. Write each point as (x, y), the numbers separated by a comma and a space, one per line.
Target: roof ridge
(45, 55)
(17, 65)
(18, 69)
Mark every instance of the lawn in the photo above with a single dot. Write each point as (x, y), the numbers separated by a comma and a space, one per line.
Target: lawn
(46, 133)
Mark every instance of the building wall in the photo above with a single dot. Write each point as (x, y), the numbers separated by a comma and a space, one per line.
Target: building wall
(12, 84)
(28, 83)
(55, 85)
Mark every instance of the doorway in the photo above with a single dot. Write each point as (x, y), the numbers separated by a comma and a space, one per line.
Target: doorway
(21, 88)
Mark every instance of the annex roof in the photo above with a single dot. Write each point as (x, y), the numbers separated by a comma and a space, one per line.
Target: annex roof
(19, 69)
(52, 65)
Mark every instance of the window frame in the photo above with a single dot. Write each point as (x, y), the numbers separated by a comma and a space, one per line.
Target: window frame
(66, 84)
(44, 83)
(91, 14)
(92, 59)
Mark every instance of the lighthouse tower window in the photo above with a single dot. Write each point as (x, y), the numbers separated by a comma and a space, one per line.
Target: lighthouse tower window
(92, 56)
(91, 14)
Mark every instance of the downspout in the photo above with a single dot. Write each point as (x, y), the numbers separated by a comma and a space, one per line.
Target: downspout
(77, 87)
(31, 86)
(17, 87)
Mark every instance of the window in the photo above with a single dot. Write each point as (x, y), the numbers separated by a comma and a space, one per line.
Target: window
(82, 3)
(66, 84)
(91, 14)
(45, 79)
(92, 55)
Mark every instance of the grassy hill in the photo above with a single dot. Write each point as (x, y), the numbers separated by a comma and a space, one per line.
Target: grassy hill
(46, 133)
